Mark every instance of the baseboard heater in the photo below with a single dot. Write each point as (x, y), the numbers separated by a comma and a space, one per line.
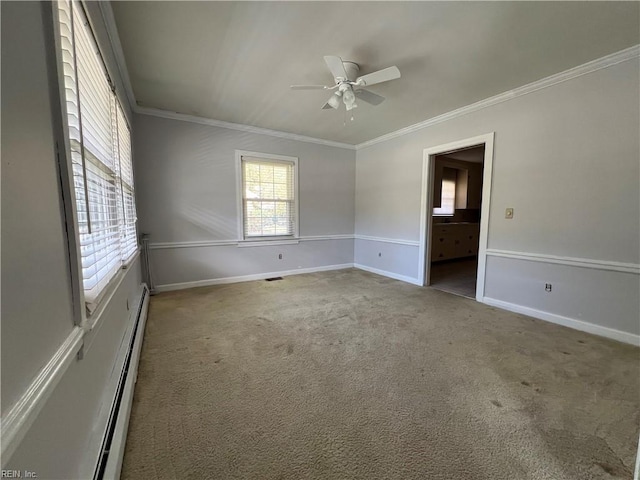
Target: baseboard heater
(112, 450)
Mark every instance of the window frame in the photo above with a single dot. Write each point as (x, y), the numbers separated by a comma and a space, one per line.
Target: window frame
(273, 239)
(84, 316)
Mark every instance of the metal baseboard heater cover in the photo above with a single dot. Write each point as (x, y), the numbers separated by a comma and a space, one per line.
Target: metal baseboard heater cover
(115, 408)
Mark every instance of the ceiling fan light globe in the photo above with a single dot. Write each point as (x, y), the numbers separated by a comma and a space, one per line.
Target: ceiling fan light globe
(333, 101)
(348, 97)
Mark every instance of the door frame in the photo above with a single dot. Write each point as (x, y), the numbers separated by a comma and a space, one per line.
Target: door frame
(426, 206)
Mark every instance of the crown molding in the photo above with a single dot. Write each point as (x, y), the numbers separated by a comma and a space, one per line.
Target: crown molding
(584, 69)
(155, 112)
(116, 47)
(589, 67)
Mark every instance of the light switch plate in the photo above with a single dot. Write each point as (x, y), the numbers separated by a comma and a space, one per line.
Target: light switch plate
(508, 213)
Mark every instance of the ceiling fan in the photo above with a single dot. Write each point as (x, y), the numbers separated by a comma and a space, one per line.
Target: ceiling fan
(349, 84)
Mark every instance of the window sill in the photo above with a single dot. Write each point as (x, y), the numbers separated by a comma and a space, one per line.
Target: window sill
(107, 294)
(268, 242)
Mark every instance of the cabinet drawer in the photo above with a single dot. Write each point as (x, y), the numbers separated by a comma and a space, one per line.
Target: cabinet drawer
(439, 230)
(442, 247)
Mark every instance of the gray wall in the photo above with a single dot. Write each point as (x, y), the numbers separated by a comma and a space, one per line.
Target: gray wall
(37, 313)
(37, 308)
(566, 159)
(186, 192)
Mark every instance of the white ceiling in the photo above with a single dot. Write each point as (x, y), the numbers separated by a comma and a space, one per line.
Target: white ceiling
(234, 61)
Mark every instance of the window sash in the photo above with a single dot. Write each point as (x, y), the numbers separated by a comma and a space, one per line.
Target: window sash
(268, 198)
(448, 193)
(101, 160)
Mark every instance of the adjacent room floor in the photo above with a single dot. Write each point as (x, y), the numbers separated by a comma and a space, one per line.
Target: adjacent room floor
(455, 276)
(349, 375)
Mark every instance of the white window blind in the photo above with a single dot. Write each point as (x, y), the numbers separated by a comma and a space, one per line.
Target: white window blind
(448, 198)
(100, 143)
(268, 197)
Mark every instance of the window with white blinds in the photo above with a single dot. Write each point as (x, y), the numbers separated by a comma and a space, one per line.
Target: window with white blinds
(268, 197)
(100, 143)
(448, 198)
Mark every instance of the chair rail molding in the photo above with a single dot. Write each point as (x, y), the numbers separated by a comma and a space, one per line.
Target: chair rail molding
(397, 241)
(256, 243)
(632, 268)
(21, 416)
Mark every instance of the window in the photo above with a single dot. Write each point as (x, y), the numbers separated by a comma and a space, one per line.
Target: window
(100, 144)
(268, 191)
(448, 198)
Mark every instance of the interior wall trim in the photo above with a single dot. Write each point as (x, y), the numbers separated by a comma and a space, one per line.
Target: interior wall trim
(584, 69)
(21, 416)
(222, 243)
(155, 112)
(397, 241)
(589, 67)
(338, 236)
(386, 273)
(632, 268)
(592, 328)
(248, 278)
(116, 47)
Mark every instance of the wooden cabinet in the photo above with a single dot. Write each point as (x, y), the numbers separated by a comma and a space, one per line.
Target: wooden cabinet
(455, 240)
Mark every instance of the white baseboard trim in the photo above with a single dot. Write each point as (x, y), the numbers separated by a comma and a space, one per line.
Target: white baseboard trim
(19, 419)
(116, 451)
(247, 278)
(607, 332)
(384, 273)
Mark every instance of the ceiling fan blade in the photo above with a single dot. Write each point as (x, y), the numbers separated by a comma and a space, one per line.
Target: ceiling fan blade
(336, 66)
(369, 97)
(384, 75)
(308, 87)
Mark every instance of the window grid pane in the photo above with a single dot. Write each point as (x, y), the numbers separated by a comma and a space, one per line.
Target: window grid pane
(448, 199)
(268, 198)
(100, 149)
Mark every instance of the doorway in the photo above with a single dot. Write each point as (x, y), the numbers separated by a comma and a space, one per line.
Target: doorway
(454, 215)
(455, 220)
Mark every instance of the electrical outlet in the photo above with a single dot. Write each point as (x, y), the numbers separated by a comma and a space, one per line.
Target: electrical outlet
(547, 287)
(508, 213)
(280, 256)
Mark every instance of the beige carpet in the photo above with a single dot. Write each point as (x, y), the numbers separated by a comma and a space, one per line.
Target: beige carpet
(348, 375)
